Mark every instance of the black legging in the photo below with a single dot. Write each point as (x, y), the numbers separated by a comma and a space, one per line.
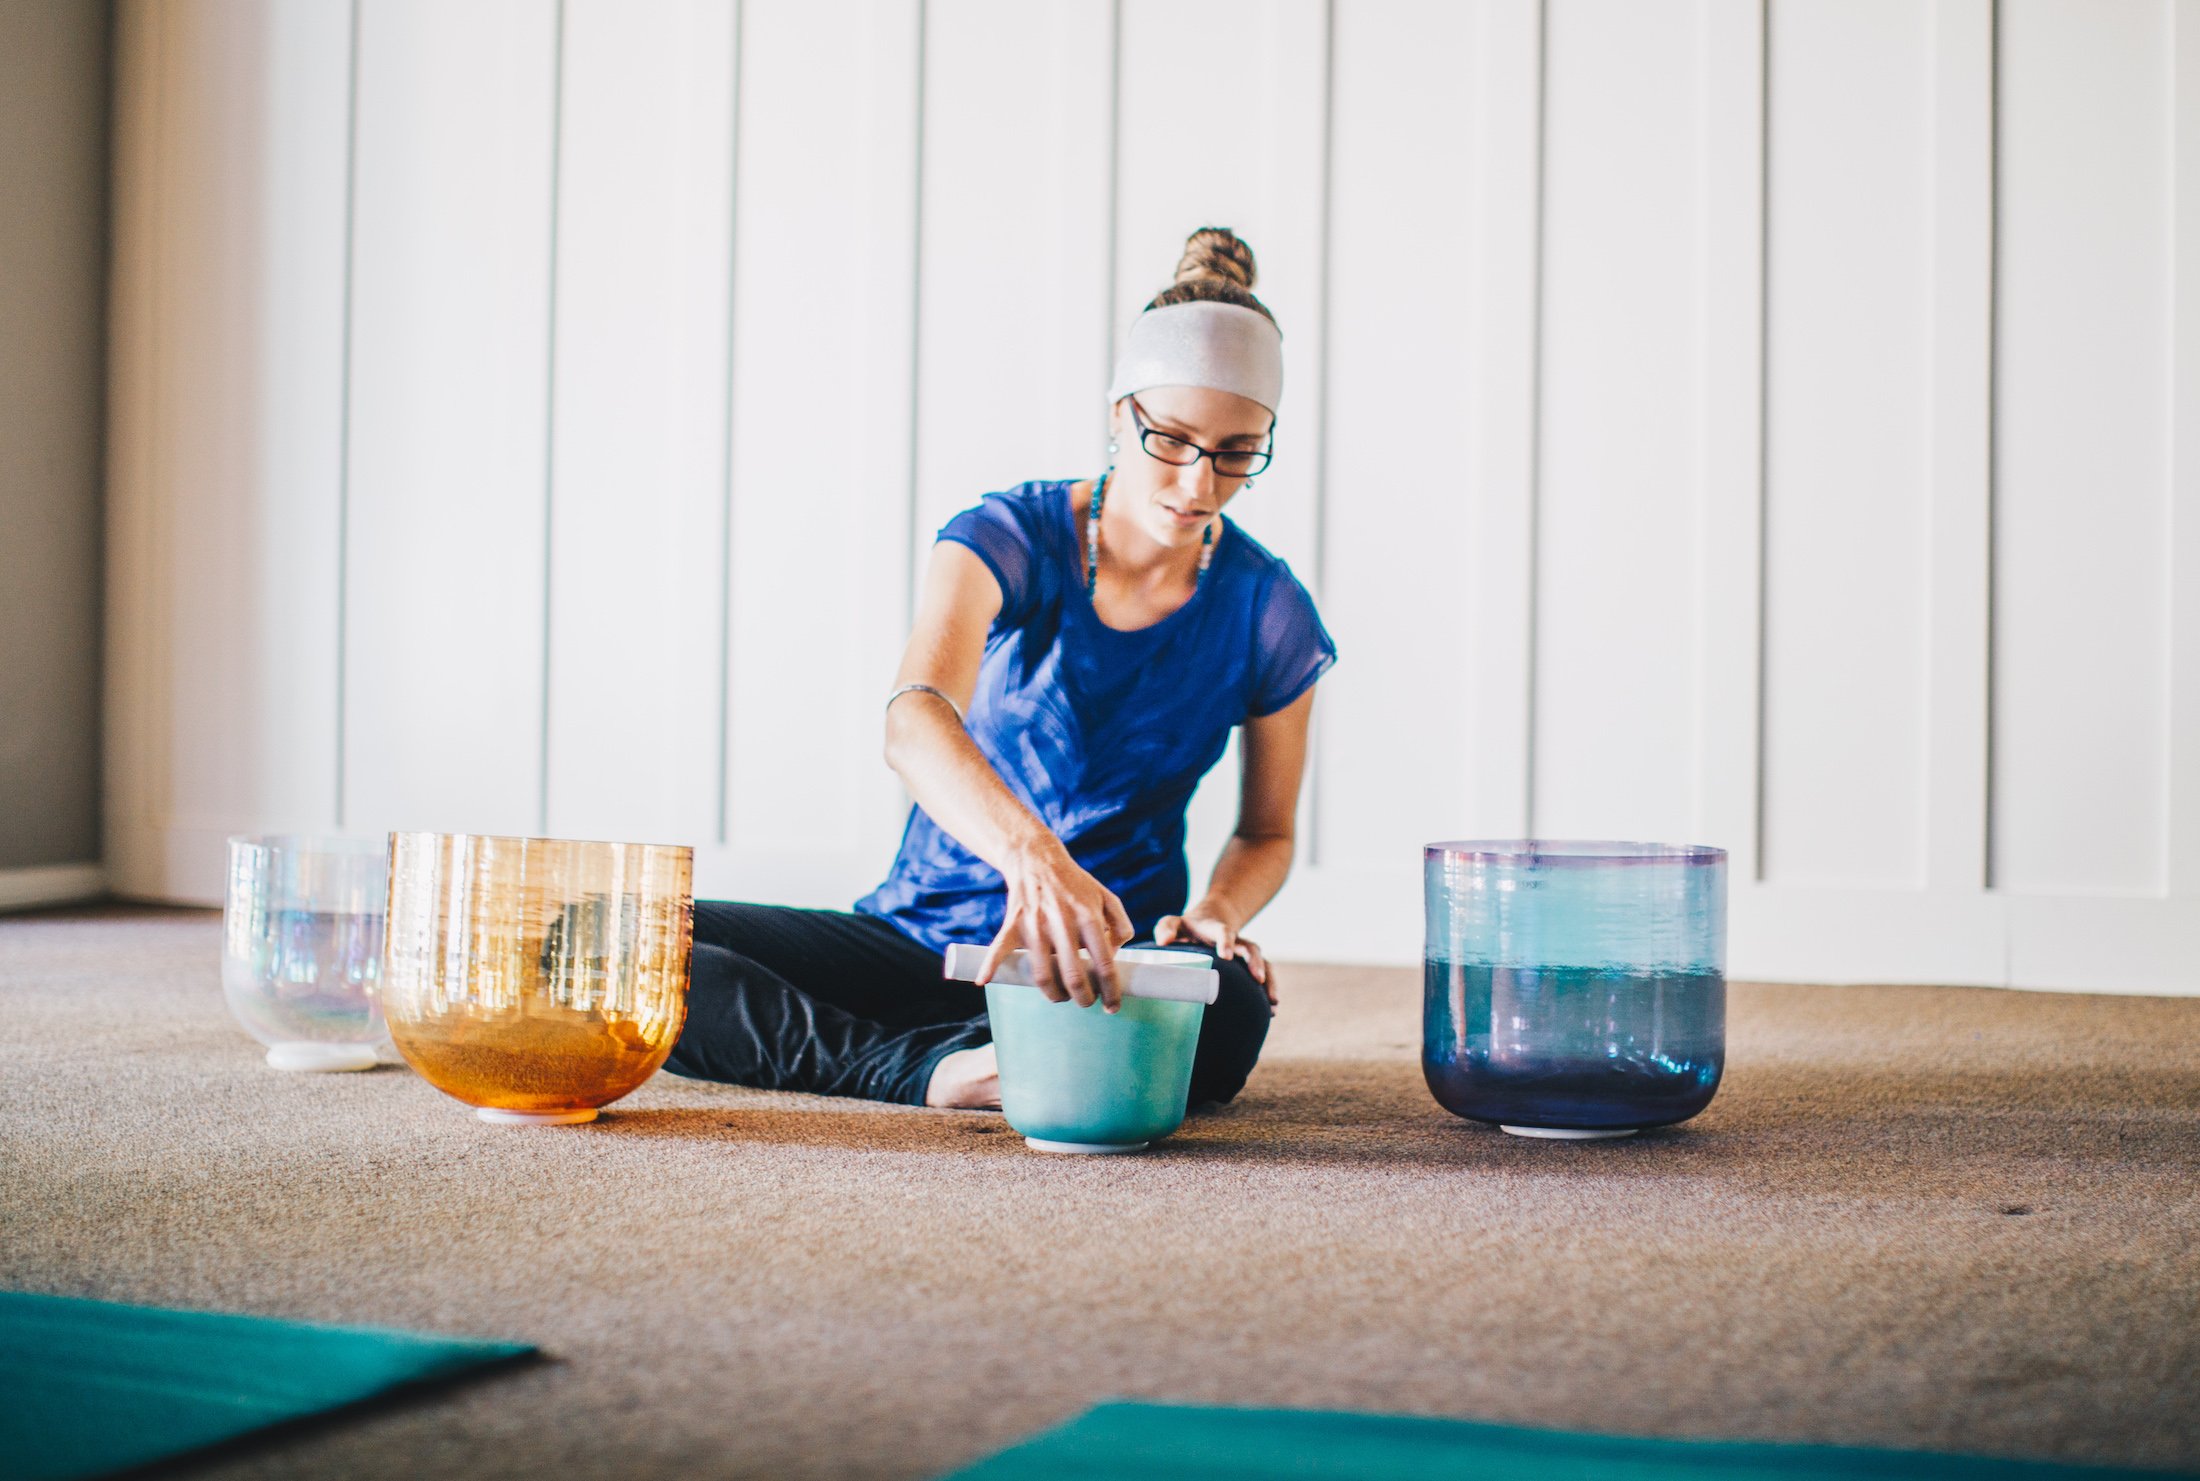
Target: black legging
(836, 1003)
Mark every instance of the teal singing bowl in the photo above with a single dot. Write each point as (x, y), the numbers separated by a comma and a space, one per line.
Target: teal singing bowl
(1085, 1080)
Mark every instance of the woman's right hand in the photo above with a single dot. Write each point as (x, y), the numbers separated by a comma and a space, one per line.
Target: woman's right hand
(1055, 907)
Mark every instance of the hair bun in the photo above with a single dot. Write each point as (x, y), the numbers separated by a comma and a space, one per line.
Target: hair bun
(1217, 267)
(1216, 252)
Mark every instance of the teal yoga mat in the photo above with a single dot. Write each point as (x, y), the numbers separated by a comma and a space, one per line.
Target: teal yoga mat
(91, 1387)
(1160, 1442)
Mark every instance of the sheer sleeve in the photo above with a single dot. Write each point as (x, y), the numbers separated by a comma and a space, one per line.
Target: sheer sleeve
(1002, 530)
(1292, 649)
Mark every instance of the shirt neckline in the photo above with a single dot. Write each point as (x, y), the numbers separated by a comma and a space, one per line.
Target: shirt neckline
(1084, 597)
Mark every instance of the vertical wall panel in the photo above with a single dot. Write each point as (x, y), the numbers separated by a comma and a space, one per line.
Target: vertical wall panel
(2082, 937)
(823, 314)
(1848, 407)
(1012, 372)
(1221, 124)
(228, 419)
(1503, 267)
(1617, 567)
(449, 370)
(1401, 309)
(638, 430)
(2083, 293)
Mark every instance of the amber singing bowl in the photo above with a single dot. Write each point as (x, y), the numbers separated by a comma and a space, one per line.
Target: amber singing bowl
(533, 978)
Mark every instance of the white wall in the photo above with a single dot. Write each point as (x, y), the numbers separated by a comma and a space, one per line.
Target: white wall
(1753, 422)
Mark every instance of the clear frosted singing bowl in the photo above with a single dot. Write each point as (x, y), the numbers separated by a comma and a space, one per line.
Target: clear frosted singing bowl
(1574, 989)
(302, 947)
(535, 979)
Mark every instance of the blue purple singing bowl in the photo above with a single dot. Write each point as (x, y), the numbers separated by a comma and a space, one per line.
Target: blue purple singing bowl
(1574, 989)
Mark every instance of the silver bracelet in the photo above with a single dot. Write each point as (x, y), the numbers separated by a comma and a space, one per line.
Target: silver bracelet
(927, 689)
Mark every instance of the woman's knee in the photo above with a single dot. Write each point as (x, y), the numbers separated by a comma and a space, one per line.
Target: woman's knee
(1230, 1035)
(711, 998)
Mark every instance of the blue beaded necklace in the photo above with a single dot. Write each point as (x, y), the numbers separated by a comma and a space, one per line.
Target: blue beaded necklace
(1092, 540)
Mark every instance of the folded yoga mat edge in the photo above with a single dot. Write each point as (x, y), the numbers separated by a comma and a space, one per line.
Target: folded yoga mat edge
(97, 1387)
(1158, 1442)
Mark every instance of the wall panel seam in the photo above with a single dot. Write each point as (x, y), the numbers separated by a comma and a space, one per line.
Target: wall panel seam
(910, 520)
(1534, 596)
(1324, 277)
(725, 448)
(1705, 490)
(343, 392)
(1113, 206)
(1727, 649)
(1764, 429)
(1988, 841)
(550, 417)
(2181, 872)
(2165, 849)
(1317, 753)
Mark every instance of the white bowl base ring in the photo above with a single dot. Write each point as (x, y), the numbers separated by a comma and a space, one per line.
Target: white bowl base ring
(1081, 1149)
(497, 1117)
(1570, 1134)
(322, 1058)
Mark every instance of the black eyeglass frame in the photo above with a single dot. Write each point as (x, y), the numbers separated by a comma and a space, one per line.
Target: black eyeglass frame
(1266, 455)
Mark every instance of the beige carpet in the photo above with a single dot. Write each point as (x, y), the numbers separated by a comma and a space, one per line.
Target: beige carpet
(1947, 1218)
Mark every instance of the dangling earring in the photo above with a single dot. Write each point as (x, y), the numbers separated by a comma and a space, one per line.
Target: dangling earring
(1248, 482)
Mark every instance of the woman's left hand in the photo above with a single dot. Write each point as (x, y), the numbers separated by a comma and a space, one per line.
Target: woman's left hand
(1214, 931)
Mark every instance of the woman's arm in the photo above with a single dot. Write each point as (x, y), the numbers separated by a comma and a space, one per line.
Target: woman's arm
(1257, 859)
(1054, 906)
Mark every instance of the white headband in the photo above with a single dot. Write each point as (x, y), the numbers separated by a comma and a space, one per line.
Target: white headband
(1220, 346)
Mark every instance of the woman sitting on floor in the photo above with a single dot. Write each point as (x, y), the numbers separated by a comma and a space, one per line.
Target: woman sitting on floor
(1080, 654)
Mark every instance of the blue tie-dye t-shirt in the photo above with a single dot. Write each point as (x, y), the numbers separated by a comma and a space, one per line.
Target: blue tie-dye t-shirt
(1102, 733)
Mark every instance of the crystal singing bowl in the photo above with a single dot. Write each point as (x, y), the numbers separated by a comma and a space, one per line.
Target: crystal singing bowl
(1086, 1080)
(535, 979)
(302, 947)
(1574, 989)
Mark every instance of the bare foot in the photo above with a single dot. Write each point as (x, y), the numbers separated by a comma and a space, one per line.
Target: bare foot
(967, 1080)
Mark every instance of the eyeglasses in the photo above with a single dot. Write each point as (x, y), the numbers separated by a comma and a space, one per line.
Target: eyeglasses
(1230, 462)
